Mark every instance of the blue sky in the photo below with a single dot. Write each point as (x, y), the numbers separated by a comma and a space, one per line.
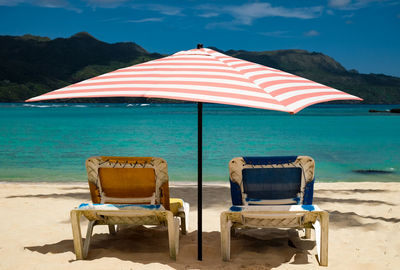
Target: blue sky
(360, 34)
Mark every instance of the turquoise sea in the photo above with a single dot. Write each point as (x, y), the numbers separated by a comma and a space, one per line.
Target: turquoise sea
(50, 142)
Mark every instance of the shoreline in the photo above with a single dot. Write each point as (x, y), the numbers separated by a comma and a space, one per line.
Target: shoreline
(174, 183)
(183, 183)
(188, 183)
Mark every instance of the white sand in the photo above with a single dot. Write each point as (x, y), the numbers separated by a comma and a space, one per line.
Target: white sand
(36, 233)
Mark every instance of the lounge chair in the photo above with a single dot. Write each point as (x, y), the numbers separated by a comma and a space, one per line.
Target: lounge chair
(274, 192)
(129, 190)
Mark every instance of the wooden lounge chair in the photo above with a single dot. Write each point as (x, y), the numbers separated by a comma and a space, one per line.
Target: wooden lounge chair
(274, 192)
(129, 190)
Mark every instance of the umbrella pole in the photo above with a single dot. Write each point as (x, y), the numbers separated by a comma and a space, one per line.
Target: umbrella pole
(199, 180)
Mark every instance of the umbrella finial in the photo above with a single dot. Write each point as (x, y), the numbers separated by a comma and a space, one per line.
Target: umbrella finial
(199, 46)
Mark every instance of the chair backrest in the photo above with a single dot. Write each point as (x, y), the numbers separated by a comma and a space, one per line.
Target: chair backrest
(128, 180)
(272, 180)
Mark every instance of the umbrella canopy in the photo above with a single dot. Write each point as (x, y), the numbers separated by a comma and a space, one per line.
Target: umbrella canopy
(204, 75)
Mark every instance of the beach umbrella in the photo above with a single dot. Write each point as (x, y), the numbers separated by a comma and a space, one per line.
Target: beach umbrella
(205, 75)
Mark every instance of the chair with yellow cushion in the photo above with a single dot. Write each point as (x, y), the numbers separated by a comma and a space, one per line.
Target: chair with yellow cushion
(129, 190)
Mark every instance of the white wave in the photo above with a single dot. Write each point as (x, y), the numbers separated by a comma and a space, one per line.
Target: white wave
(42, 106)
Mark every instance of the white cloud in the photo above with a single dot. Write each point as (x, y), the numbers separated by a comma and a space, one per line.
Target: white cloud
(11, 3)
(357, 4)
(351, 15)
(145, 20)
(209, 15)
(248, 12)
(311, 33)
(339, 3)
(110, 20)
(277, 34)
(105, 3)
(245, 14)
(162, 9)
(42, 3)
(52, 3)
(224, 25)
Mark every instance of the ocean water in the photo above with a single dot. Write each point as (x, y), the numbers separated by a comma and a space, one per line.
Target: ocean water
(50, 142)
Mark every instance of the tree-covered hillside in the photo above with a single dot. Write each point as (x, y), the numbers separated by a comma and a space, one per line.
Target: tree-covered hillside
(373, 88)
(32, 65)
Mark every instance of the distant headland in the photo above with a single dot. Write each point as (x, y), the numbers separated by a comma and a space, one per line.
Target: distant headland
(32, 65)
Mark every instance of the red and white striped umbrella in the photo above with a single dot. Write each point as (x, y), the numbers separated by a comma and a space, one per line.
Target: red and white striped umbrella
(205, 75)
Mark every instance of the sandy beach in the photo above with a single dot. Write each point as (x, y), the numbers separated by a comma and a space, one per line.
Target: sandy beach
(36, 232)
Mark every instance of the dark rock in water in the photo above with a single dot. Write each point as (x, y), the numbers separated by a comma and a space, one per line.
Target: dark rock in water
(397, 110)
(372, 171)
(376, 111)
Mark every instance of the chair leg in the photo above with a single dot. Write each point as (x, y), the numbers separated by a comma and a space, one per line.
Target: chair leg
(111, 229)
(307, 233)
(88, 238)
(173, 228)
(76, 232)
(226, 225)
(184, 215)
(176, 224)
(233, 231)
(183, 223)
(324, 238)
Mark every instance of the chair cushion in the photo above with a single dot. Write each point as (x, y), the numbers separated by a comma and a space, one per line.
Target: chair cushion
(175, 204)
(272, 183)
(128, 182)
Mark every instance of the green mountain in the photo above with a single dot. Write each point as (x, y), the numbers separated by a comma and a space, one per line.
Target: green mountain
(32, 65)
(373, 88)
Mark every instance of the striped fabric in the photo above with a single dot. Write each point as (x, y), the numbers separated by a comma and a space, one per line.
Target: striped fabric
(101, 206)
(204, 75)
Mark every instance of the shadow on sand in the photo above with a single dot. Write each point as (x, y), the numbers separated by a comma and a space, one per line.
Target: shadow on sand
(212, 195)
(146, 245)
(352, 191)
(353, 219)
(319, 200)
(71, 195)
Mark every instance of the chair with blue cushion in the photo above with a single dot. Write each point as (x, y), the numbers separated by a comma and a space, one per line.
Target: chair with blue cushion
(274, 192)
